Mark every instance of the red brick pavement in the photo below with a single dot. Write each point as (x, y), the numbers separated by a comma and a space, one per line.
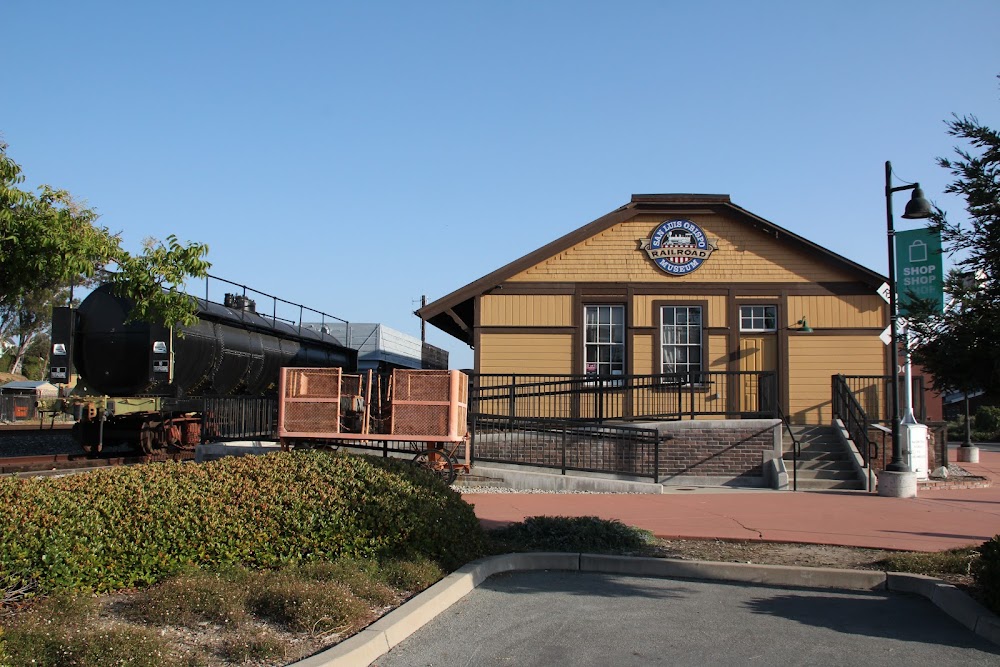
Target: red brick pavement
(934, 521)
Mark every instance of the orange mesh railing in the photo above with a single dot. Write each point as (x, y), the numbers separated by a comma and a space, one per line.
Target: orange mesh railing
(423, 404)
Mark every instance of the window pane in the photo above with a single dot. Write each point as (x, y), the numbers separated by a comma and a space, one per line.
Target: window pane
(680, 339)
(604, 339)
(758, 318)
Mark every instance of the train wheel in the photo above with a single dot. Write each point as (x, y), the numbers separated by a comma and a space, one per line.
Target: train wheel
(438, 462)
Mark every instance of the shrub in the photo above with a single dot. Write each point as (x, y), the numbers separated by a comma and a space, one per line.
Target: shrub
(987, 419)
(137, 525)
(557, 533)
(987, 573)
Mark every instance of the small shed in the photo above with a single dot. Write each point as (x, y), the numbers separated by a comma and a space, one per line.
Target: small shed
(38, 389)
(18, 398)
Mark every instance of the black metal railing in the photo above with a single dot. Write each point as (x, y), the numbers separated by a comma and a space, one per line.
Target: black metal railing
(240, 417)
(796, 447)
(873, 394)
(592, 398)
(567, 445)
(855, 419)
(231, 417)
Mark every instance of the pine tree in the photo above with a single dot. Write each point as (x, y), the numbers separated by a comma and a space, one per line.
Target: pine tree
(961, 347)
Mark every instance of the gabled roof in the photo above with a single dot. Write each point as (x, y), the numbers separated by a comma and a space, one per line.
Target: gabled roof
(454, 313)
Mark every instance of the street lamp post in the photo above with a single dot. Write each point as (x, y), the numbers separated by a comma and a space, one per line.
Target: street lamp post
(918, 207)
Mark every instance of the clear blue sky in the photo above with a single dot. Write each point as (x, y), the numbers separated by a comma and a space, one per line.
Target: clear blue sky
(354, 156)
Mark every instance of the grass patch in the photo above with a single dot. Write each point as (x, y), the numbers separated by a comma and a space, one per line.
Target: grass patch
(189, 600)
(953, 561)
(314, 607)
(557, 533)
(412, 576)
(247, 645)
(60, 631)
(242, 615)
(364, 578)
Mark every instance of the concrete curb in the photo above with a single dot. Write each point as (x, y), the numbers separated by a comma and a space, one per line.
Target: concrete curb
(378, 638)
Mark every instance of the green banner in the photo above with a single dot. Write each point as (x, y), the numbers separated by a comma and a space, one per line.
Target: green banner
(918, 268)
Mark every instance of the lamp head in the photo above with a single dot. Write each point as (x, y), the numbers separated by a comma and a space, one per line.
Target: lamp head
(918, 207)
(804, 326)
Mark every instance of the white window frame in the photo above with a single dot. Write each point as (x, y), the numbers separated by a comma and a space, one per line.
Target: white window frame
(681, 338)
(607, 334)
(756, 319)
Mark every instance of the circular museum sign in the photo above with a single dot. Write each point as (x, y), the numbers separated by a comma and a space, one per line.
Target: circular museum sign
(678, 247)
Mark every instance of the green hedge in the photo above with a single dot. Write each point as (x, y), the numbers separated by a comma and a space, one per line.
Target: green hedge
(133, 526)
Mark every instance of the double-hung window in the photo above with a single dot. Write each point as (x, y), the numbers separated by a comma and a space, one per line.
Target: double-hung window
(604, 340)
(681, 341)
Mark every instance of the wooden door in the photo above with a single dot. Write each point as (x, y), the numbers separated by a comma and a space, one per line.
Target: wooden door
(758, 352)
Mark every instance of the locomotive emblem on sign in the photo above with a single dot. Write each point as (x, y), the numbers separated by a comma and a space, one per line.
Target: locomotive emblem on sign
(678, 247)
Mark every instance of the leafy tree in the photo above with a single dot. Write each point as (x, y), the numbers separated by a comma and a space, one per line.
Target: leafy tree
(26, 321)
(959, 347)
(49, 242)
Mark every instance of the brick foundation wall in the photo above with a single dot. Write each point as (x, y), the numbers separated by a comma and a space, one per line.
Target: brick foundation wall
(588, 454)
(732, 448)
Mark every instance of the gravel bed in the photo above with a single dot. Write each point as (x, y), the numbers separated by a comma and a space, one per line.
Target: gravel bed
(33, 444)
(955, 470)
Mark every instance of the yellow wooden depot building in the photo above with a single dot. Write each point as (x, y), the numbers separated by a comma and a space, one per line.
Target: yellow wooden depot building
(678, 283)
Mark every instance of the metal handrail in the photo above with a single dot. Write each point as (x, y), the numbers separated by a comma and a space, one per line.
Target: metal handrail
(516, 440)
(856, 421)
(668, 396)
(795, 446)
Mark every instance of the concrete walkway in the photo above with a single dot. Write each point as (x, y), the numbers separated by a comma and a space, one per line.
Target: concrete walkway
(934, 521)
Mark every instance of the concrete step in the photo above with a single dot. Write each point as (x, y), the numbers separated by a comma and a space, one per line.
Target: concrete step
(818, 455)
(824, 464)
(473, 481)
(825, 474)
(826, 484)
(831, 447)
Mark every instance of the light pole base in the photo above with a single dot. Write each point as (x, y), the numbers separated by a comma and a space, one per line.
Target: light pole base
(968, 454)
(897, 484)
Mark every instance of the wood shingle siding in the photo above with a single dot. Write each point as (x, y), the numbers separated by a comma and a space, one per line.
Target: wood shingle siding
(612, 256)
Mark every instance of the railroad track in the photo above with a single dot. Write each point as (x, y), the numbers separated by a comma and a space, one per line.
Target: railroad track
(60, 463)
(28, 450)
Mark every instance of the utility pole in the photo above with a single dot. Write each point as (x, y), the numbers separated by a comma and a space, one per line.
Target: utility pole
(423, 324)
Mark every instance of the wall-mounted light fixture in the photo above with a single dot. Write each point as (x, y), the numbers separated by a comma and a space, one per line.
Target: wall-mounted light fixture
(802, 326)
